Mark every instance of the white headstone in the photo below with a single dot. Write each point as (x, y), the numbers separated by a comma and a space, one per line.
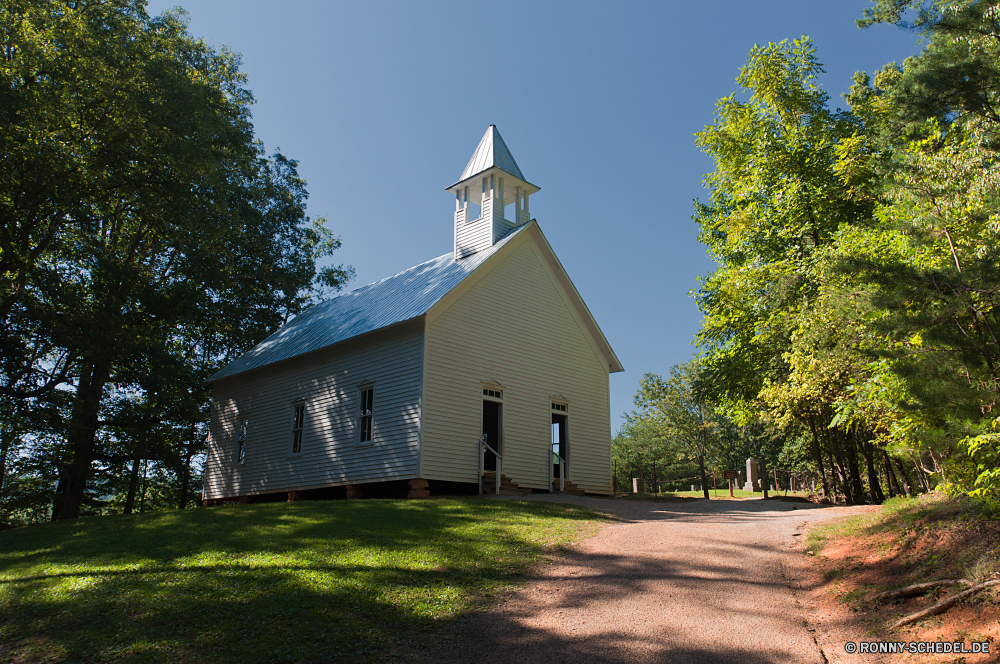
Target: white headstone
(752, 484)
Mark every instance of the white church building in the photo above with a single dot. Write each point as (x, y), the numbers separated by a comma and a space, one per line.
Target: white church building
(414, 384)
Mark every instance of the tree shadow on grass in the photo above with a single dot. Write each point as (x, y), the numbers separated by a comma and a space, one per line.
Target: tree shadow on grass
(277, 528)
(346, 581)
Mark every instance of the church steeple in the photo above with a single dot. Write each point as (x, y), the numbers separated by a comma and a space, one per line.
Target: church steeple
(491, 178)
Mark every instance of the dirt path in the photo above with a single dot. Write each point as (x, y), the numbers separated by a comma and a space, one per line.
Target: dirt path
(703, 581)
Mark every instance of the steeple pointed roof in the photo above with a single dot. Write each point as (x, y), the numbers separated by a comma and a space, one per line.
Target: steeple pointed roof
(492, 151)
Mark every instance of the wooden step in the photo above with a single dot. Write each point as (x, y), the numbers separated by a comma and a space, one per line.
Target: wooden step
(507, 486)
(568, 487)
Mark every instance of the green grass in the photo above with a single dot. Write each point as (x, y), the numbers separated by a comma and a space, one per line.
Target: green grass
(352, 581)
(899, 516)
(723, 494)
(932, 535)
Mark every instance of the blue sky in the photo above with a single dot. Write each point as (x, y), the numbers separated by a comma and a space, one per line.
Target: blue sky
(383, 103)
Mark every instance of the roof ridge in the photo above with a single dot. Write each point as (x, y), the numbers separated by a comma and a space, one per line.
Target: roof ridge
(413, 267)
(373, 306)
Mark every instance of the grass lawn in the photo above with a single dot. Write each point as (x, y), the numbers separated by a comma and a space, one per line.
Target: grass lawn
(917, 529)
(723, 494)
(350, 581)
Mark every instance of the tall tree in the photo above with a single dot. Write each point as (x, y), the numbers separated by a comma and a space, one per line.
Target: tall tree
(675, 407)
(956, 79)
(938, 296)
(788, 331)
(146, 235)
(775, 199)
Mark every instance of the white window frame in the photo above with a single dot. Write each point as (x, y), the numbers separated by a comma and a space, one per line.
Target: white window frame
(298, 428)
(242, 436)
(560, 406)
(366, 416)
(492, 394)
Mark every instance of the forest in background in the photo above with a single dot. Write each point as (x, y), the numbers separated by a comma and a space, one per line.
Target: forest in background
(850, 333)
(146, 239)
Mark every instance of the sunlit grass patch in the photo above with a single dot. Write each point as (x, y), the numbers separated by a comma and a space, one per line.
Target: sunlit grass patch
(345, 580)
(721, 493)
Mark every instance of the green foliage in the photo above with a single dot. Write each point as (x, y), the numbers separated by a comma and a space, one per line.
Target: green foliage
(956, 80)
(937, 296)
(776, 201)
(324, 581)
(671, 414)
(146, 237)
(676, 437)
(638, 453)
(984, 451)
(784, 328)
(854, 306)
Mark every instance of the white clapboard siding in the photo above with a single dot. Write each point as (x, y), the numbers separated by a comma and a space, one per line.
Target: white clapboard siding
(327, 383)
(472, 236)
(500, 228)
(493, 210)
(475, 235)
(461, 220)
(515, 327)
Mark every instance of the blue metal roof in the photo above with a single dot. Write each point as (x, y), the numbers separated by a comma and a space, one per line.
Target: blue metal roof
(403, 296)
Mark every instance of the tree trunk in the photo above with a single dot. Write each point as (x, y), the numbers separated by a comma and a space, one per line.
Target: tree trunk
(834, 478)
(701, 456)
(819, 457)
(920, 476)
(80, 439)
(891, 486)
(6, 441)
(187, 477)
(55, 500)
(838, 456)
(762, 471)
(189, 452)
(704, 480)
(852, 453)
(890, 489)
(890, 475)
(133, 484)
(3, 462)
(938, 466)
(902, 476)
(142, 495)
(874, 486)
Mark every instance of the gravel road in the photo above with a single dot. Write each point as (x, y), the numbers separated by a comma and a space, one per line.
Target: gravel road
(672, 582)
